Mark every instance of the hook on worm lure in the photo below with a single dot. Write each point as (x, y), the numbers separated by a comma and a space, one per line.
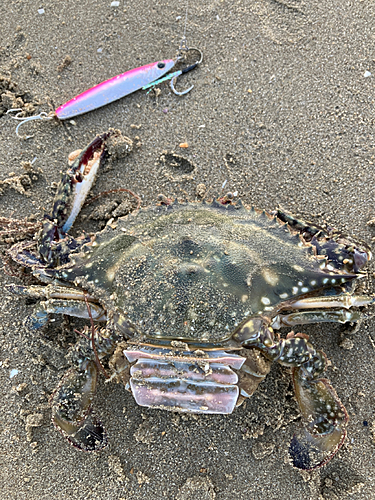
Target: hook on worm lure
(115, 88)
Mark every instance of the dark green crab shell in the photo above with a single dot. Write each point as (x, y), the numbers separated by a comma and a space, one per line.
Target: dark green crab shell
(195, 271)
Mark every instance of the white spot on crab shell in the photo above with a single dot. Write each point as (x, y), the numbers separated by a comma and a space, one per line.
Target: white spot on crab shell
(298, 268)
(111, 272)
(333, 281)
(300, 283)
(270, 277)
(269, 308)
(325, 281)
(304, 289)
(294, 290)
(313, 282)
(283, 296)
(266, 301)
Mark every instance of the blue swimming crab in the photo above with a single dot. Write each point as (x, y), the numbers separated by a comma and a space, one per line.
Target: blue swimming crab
(191, 295)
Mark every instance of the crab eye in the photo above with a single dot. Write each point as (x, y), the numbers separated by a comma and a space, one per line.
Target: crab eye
(161, 65)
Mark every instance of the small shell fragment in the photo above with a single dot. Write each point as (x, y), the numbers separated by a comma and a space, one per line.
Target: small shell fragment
(184, 145)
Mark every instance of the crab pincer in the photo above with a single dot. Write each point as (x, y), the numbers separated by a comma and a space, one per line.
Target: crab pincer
(324, 417)
(71, 409)
(72, 400)
(72, 191)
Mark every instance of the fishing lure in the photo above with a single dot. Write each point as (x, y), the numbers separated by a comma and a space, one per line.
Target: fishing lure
(115, 88)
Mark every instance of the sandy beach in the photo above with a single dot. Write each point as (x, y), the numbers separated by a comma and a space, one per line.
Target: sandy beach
(282, 112)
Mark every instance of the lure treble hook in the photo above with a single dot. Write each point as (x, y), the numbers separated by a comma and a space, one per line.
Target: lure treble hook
(185, 70)
(42, 116)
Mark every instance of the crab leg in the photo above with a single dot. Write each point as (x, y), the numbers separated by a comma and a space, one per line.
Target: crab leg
(48, 292)
(315, 316)
(324, 416)
(61, 300)
(20, 253)
(347, 301)
(339, 315)
(70, 307)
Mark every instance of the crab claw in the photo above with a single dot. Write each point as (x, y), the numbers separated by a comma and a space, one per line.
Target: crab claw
(77, 182)
(71, 194)
(325, 419)
(71, 410)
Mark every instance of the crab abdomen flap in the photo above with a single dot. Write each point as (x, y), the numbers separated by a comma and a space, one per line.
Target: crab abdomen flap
(185, 382)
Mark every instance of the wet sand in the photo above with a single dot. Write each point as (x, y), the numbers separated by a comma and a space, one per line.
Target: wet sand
(282, 111)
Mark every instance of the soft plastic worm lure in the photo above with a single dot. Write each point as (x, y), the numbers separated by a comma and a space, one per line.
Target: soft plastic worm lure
(113, 89)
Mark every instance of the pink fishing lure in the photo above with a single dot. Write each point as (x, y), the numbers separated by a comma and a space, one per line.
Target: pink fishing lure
(113, 89)
(104, 93)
